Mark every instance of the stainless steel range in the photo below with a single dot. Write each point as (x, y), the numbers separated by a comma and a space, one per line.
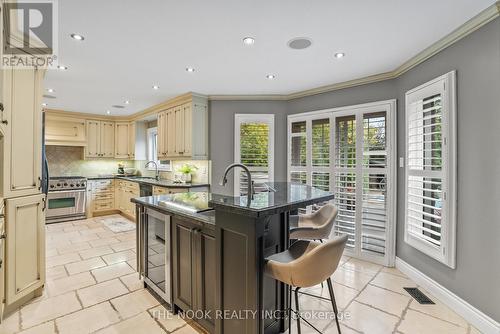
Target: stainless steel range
(66, 198)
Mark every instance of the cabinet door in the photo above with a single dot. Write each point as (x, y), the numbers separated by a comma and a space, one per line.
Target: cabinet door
(93, 139)
(64, 131)
(23, 135)
(183, 263)
(171, 133)
(131, 140)
(179, 130)
(107, 139)
(188, 128)
(205, 277)
(25, 246)
(121, 140)
(160, 151)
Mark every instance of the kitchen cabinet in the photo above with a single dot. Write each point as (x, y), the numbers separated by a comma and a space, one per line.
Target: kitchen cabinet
(165, 191)
(100, 139)
(64, 131)
(100, 196)
(21, 143)
(125, 191)
(193, 267)
(122, 134)
(183, 131)
(25, 246)
(130, 140)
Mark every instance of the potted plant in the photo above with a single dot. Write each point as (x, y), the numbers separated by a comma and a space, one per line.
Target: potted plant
(186, 171)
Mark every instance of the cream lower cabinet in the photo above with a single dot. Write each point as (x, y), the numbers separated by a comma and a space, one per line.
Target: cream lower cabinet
(21, 144)
(100, 196)
(100, 139)
(24, 247)
(125, 191)
(165, 191)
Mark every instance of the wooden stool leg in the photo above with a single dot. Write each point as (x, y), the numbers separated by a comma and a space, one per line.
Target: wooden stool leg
(334, 303)
(298, 309)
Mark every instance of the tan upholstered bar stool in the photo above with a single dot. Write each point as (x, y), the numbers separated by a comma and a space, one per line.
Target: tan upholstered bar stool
(305, 264)
(315, 226)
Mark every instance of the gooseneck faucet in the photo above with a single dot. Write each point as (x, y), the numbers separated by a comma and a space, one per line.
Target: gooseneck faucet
(157, 173)
(250, 190)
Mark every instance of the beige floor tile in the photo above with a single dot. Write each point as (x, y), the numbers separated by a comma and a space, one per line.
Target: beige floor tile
(127, 236)
(343, 294)
(70, 283)
(186, 330)
(83, 238)
(55, 273)
(353, 279)
(45, 328)
(107, 234)
(119, 257)
(393, 271)
(51, 252)
(48, 309)
(62, 259)
(73, 248)
(88, 320)
(392, 282)
(85, 265)
(132, 264)
(101, 292)
(383, 299)
(132, 281)
(167, 320)
(474, 330)
(417, 323)
(93, 230)
(113, 271)
(142, 323)
(103, 242)
(75, 228)
(362, 266)
(438, 310)
(124, 245)
(369, 320)
(134, 303)
(10, 324)
(94, 252)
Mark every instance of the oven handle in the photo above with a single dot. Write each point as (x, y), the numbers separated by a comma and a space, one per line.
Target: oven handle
(66, 191)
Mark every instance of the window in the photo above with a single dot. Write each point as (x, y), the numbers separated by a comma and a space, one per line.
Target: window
(351, 151)
(254, 147)
(163, 165)
(431, 168)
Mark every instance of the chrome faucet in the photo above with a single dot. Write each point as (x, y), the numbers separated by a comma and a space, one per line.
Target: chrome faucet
(157, 173)
(250, 190)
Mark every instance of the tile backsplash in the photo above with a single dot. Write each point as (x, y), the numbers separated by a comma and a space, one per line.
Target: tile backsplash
(201, 175)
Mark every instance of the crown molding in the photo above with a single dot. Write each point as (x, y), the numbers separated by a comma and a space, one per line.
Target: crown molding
(264, 97)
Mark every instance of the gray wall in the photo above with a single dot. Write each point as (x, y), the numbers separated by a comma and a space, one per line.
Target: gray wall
(476, 58)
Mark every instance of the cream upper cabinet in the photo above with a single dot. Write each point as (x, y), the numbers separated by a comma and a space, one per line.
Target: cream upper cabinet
(122, 140)
(160, 151)
(25, 246)
(93, 149)
(108, 139)
(21, 156)
(179, 130)
(171, 133)
(132, 128)
(64, 131)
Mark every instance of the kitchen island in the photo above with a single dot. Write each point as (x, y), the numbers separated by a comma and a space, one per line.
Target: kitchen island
(215, 250)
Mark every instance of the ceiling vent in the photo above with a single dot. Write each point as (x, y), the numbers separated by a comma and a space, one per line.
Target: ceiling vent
(49, 96)
(299, 43)
(118, 106)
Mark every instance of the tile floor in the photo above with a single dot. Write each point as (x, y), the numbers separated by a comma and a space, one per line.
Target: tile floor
(92, 287)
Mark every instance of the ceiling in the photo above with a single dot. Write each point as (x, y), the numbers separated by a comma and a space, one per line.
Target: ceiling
(132, 45)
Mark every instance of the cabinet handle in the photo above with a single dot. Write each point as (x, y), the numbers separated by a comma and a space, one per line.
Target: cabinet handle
(5, 122)
(1, 106)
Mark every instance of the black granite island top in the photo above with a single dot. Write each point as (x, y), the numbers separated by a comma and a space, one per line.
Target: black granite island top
(288, 196)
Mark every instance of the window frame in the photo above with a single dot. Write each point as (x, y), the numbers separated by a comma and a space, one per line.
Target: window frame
(446, 86)
(150, 153)
(252, 118)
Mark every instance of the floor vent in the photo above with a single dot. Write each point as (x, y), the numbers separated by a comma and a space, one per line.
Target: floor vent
(419, 296)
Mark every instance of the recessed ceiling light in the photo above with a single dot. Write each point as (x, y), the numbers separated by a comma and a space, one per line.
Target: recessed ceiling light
(339, 55)
(50, 90)
(126, 102)
(44, 104)
(77, 37)
(156, 87)
(270, 76)
(189, 69)
(62, 67)
(248, 41)
(108, 112)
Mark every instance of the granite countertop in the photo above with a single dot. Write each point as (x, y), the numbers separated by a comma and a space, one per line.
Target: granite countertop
(152, 181)
(183, 204)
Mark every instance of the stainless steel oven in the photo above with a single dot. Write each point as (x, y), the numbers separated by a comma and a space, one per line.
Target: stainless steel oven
(66, 199)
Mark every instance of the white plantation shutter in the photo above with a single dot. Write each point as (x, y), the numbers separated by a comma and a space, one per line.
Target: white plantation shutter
(254, 147)
(430, 169)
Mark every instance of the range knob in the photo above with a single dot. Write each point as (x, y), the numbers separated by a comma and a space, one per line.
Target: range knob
(78, 184)
(71, 185)
(58, 184)
(65, 184)
(52, 186)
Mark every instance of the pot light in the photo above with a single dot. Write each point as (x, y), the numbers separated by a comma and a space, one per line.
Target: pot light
(77, 37)
(339, 55)
(50, 90)
(156, 87)
(270, 76)
(108, 112)
(189, 69)
(126, 102)
(62, 67)
(248, 41)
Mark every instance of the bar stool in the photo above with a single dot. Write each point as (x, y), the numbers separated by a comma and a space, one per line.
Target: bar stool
(307, 263)
(315, 226)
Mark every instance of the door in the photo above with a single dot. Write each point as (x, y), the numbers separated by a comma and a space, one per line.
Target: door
(205, 281)
(183, 258)
(161, 133)
(131, 140)
(171, 133)
(188, 129)
(25, 246)
(93, 139)
(23, 136)
(179, 130)
(107, 139)
(122, 140)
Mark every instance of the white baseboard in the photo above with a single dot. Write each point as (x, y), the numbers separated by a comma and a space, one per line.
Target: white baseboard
(478, 319)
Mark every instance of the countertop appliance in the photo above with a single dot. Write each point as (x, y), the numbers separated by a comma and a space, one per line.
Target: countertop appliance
(66, 198)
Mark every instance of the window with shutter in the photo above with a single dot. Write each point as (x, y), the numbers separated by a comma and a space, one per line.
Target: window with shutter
(254, 147)
(430, 169)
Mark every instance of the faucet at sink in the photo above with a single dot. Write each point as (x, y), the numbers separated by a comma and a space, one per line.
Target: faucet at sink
(250, 189)
(157, 173)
